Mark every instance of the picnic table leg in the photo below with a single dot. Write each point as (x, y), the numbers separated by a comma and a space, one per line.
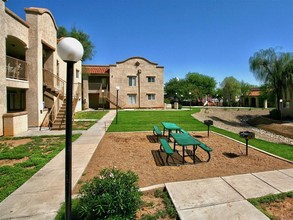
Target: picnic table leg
(193, 154)
(183, 154)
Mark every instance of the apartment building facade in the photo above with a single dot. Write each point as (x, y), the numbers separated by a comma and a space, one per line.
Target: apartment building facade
(33, 76)
(135, 83)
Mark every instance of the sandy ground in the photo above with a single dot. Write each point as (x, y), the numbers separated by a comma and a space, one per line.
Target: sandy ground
(139, 152)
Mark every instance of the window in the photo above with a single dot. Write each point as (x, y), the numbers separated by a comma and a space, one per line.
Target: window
(132, 80)
(77, 73)
(151, 79)
(15, 100)
(132, 99)
(151, 96)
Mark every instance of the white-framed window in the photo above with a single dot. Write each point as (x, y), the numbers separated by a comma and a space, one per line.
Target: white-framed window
(151, 96)
(151, 79)
(132, 99)
(132, 80)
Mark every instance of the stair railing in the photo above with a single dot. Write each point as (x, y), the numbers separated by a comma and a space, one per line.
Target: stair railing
(53, 81)
(113, 99)
(51, 115)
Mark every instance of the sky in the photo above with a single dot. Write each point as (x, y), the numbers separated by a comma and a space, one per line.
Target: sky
(211, 37)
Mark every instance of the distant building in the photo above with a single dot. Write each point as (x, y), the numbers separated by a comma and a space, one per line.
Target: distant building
(33, 77)
(140, 83)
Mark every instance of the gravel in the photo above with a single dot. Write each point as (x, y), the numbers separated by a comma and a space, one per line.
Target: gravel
(236, 121)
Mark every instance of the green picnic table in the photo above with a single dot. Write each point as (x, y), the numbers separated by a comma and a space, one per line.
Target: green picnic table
(169, 126)
(184, 140)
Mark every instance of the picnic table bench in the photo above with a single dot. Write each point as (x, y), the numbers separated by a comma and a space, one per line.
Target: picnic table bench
(166, 148)
(157, 132)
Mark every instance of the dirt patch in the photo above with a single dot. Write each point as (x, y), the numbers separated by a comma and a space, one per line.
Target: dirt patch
(12, 162)
(280, 209)
(133, 151)
(15, 143)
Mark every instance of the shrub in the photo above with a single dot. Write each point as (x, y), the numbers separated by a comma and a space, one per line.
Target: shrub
(113, 195)
(275, 114)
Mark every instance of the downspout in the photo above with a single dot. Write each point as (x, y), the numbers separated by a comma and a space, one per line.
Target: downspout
(138, 74)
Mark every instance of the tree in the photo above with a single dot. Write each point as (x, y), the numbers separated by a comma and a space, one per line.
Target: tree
(273, 68)
(244, 91)
(195, 83)
(84, 39)
(231, 89)
(201, 85)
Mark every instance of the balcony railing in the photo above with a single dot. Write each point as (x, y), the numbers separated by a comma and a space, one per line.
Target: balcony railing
(16, 69)
(97, 86)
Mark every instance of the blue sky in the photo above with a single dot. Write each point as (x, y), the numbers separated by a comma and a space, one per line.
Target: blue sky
(212, 37)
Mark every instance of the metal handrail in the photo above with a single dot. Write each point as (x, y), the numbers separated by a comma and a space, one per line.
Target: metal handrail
(51, 115)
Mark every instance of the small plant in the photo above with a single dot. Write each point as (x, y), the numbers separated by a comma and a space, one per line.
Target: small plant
(113, 195)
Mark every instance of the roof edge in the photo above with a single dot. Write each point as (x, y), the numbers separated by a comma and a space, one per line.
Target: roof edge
(41, 11)
(137, 58)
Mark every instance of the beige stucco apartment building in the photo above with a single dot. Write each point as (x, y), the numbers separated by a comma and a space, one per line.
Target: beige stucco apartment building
(33, 77)
(138, 82)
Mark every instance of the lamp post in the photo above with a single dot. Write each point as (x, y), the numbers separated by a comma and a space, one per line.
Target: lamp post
(117, 90)
(189, 100)
(103, 99)
(281, 108)
(70, 51)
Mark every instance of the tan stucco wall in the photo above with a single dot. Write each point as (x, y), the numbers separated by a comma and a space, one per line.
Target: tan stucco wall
(15, 123)
(119, 74)
(2, 66)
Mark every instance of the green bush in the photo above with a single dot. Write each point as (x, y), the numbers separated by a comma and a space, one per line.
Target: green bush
(113, 195)
(275, 114)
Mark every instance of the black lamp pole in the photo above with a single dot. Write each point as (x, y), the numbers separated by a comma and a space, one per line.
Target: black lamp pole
(117, 106)
(68, 142)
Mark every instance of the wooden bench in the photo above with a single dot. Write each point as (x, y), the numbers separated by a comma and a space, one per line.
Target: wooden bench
(157, 132)
(166, 148)
(206, 149)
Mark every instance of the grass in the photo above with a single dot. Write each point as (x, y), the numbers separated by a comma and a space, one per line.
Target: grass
(169, 210)
(90, 114)
(82, 125)
(27, 160)
(145, 120)
(262, 201)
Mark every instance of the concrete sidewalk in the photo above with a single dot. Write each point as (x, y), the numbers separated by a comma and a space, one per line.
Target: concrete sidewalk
(40, 197)
(225, 197)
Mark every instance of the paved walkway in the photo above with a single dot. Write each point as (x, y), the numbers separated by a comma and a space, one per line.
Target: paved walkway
(40, 197)
(225, 197)
(214, 198)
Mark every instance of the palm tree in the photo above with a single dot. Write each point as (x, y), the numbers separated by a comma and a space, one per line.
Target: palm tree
(271, 67)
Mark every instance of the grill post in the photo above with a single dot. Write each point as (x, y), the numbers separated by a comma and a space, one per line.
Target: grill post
(208, 123)
(247, 135)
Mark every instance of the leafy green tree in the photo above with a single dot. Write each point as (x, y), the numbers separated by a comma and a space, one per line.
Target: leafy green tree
(84, 39)
(200, 85)
(231, 89)
(273, 69)
(244, 90)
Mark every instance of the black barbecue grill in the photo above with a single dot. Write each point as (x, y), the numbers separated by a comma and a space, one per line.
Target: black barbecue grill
(208, 123)
(247, 135)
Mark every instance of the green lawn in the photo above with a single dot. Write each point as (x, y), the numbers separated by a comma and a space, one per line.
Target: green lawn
(90, 114)
(145, 120)
(27, 159)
